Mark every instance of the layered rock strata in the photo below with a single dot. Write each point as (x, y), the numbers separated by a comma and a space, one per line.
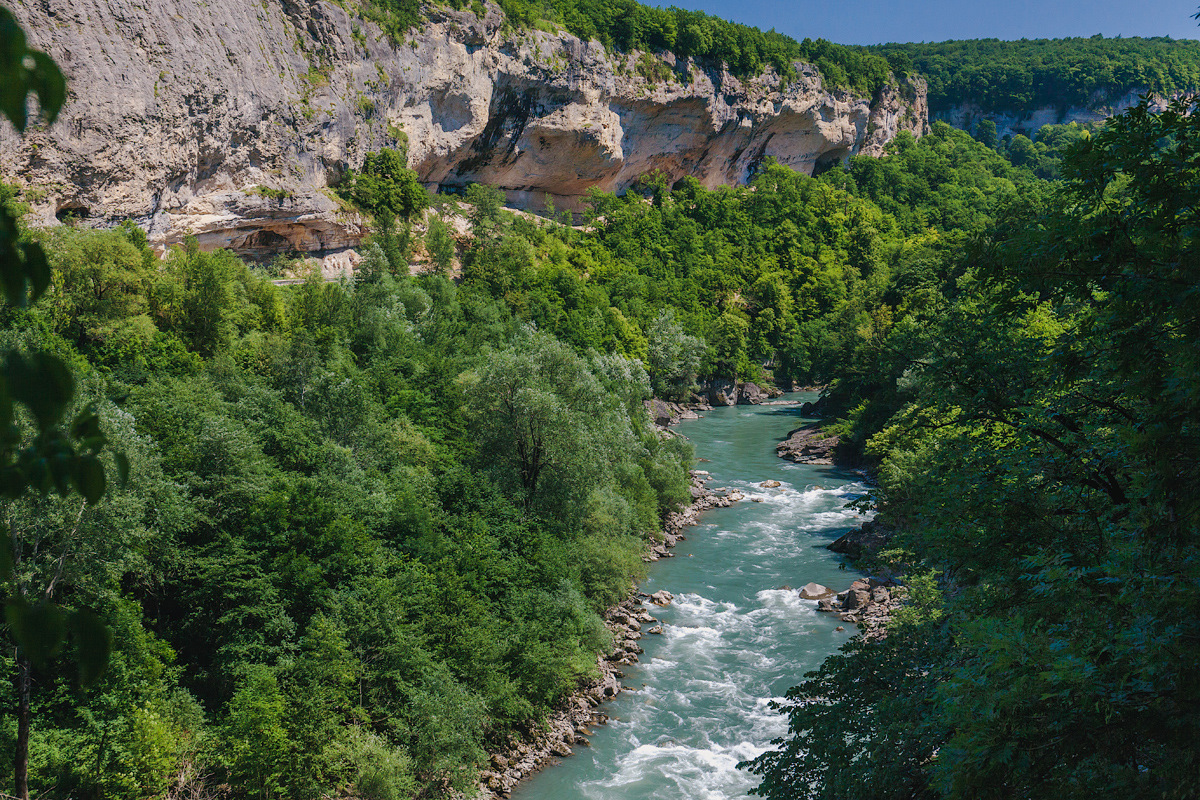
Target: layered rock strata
(229, 121)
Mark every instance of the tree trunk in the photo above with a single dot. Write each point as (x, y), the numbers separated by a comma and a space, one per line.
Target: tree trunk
(21, 759)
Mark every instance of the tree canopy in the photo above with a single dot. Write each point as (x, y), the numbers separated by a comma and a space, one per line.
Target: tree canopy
(1018, 77)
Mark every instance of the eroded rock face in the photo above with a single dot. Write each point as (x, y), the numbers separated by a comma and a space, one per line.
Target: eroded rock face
(1101, 107)
(180, 110)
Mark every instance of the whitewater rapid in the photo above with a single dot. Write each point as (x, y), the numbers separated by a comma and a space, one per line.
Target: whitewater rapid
(735, 639)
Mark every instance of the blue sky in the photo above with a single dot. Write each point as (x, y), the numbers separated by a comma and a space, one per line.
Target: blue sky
(874, 21)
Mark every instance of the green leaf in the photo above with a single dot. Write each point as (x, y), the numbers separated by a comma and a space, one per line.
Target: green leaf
(47, 82)
(86, 424)
(23, 71)
(39, 628)
(37, 271)
(43, 383)
(13, 88)
(6, 556)
(122, 468)
(6, 406)
(93, 645)
(89, 478)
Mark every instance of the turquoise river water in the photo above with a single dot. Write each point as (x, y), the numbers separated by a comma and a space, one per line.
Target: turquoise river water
(733, 639)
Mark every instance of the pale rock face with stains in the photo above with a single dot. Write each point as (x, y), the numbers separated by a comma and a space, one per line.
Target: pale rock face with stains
(1099, 108)
(229, 120)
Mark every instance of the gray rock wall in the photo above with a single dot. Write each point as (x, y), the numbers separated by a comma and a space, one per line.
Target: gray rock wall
(182, 113)
(966, 117)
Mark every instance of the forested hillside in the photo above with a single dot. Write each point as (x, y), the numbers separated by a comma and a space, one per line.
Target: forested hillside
(1034, 430)
(1018, 77)
(368, 527)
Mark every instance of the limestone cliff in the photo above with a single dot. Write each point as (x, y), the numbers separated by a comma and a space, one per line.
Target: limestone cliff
(1010, 123)
(229, 120)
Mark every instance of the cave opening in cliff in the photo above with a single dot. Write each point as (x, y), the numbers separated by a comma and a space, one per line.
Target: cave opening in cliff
(827, 161)
(72, 212)
(267, 241)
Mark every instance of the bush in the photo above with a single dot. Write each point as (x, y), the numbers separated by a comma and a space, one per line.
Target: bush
(386, 186)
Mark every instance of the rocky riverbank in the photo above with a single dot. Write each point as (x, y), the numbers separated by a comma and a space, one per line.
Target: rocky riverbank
(867, 603)
(717, 392)
(868, 539)
(809, 444)
(572, 722)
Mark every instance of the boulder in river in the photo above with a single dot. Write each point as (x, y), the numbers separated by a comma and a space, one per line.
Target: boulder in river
(723, 392)
(662, 598)
(815, 591)
(770, 484)
(855, 599)
(808, 445)
(872, 537)
(749, 394)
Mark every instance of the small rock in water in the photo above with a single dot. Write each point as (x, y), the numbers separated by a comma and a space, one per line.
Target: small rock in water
(770, 484)
(839, 628)
(757, 499)
(815, 591)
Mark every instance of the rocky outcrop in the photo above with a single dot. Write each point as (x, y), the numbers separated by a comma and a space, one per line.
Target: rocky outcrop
(722, 392)
(728, 392)
(230, 120)
(868, 603)
(1101, 107)
(703, 499)
(866, 540)
(749, 394)
(808, 445)
(664, 413)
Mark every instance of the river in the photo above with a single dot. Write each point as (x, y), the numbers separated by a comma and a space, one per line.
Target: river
(733, 639)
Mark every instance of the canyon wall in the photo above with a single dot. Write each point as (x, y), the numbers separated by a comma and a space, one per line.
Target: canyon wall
(230, 120)
(1100, 108)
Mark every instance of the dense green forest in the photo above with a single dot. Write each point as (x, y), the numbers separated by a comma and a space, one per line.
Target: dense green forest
(367, 527)
(344, 536)
(1034, 429)
(1017, 77)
